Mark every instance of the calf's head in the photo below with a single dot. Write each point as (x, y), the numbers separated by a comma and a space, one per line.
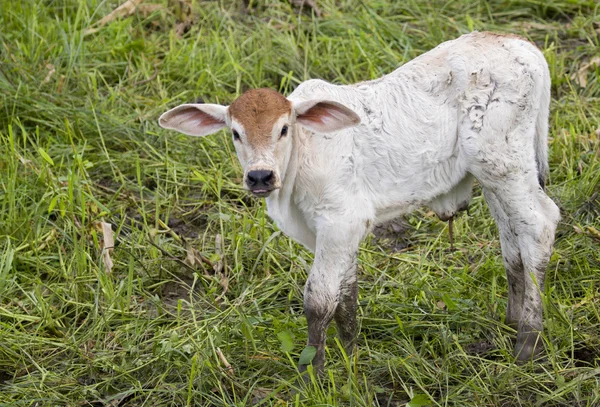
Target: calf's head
(263, 124)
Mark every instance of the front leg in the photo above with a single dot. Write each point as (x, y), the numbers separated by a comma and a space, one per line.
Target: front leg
(345, 313)
(331, 289)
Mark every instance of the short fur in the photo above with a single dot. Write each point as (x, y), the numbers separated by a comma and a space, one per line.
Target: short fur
(472, 108)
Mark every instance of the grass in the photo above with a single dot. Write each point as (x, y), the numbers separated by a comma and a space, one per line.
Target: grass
(201, 276)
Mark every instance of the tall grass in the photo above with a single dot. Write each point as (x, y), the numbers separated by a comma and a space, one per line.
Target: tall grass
(201, 276)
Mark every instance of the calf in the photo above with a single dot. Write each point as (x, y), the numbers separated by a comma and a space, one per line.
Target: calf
(333, 161)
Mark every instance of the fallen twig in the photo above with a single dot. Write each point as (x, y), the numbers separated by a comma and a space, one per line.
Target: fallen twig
(228, 367)
(124, 10)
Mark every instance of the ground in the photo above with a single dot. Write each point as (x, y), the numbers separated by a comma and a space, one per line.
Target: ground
(203, 303)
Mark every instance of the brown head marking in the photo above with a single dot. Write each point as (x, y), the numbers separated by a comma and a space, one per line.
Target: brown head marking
(257, 110)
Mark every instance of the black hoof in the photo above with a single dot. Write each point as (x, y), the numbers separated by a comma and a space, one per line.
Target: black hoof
(529, 346)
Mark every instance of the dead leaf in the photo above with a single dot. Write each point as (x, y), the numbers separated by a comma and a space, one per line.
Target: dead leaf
(441, 304)
(182, 28)
(218, 266)
(580, 166)
(182, 10)
(61, 83)
(581, 76)
(124, 10)
(47, 239)
(51, 70)
(194, 258)
(191, 257)
(224, 282)
(594, 232)
(107, 245)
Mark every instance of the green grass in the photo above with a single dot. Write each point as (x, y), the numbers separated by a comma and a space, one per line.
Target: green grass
(79, 144)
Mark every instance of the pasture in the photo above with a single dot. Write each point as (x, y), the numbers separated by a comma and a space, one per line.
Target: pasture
(198, 302)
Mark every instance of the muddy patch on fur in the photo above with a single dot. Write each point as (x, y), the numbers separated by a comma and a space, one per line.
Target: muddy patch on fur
(393, 235)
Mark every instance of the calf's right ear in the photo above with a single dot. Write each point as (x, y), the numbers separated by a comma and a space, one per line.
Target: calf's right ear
(194, 119)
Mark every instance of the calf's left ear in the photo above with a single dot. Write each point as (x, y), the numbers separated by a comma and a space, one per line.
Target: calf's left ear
(195, 119)
(325, 116)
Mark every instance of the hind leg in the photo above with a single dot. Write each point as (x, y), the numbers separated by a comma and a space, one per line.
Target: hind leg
(500, 141)
(505, 166)
(536, 248)
(527, 221)
(511, 255)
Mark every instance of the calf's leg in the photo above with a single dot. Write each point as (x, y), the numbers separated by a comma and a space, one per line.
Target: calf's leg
(345, 313)
(511, 254)
(502, 141)
(331, 289)
(536, 249)
(527, 221)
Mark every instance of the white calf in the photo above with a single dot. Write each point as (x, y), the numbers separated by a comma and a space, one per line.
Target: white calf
(333, 161)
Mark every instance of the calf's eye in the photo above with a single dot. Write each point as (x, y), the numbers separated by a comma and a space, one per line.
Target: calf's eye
(283, 131)
(236, 135)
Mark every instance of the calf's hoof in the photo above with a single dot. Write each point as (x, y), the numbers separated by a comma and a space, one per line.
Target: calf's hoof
(316, 360)
(512, 323)
(529, 345)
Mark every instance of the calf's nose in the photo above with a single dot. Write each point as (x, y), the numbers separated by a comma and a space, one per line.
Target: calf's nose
(260, 178)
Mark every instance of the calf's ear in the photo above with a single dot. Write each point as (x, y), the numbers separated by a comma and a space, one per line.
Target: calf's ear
(325, 116)
(194, 119)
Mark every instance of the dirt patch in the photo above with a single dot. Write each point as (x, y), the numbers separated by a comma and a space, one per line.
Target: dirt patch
(107, 184)
(177, 289)
(180, 287)
(389, 395)
(393, 235)
(481, 348)
(188, 225)
(590, 209)
(4, 377)
(390, 400)
(587, 356)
